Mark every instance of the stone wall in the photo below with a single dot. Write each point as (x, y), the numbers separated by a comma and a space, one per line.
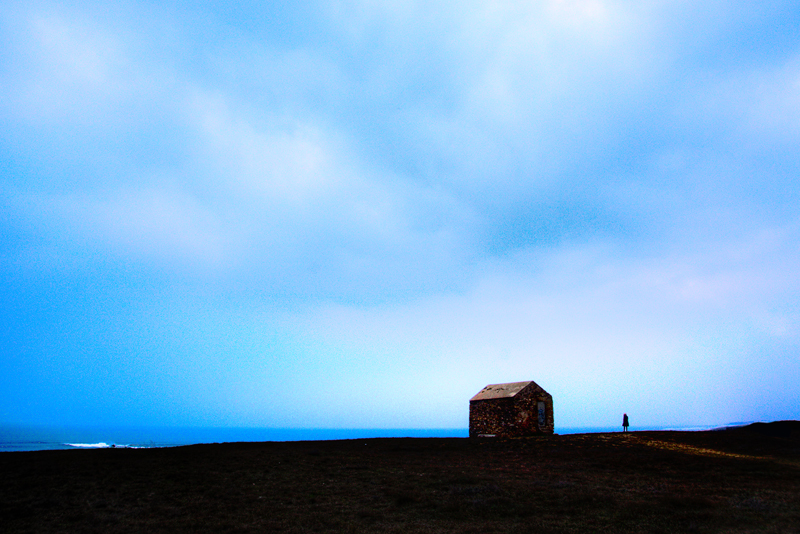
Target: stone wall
(526, 404)
(491, 417)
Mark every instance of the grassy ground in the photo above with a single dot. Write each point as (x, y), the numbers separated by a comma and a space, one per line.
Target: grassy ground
(744, 480)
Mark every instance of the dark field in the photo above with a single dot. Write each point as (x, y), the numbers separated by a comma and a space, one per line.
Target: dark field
(742, 480)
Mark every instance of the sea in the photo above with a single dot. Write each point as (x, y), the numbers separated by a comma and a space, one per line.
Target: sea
(38, 438)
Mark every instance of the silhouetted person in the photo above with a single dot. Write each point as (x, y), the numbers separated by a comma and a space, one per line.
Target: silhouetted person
(624, 422)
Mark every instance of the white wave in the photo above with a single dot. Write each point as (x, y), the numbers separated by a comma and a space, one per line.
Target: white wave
(89, 445)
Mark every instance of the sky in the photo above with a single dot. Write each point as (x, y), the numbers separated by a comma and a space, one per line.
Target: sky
(358, 213)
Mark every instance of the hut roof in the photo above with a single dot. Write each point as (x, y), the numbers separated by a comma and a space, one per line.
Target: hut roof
(502, 391)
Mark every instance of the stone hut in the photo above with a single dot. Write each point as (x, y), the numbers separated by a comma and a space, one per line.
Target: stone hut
(511, 410)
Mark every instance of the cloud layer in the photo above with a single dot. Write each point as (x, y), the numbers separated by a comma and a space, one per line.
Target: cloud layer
(392, 204)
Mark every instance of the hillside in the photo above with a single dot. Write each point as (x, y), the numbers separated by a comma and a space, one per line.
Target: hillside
(740, 480)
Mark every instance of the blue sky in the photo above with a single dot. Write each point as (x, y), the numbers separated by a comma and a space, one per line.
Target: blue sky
(357, 214)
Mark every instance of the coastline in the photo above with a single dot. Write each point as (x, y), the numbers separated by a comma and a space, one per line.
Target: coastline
(16, 437)
(52, 437)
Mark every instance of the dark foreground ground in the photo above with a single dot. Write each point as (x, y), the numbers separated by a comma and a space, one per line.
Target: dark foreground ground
(743, 480)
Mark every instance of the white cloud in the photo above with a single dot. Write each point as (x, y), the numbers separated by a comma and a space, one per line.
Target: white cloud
(515, 94)
(594, 326)
(162, 225)
(773, 102)
(294, 163)
(75, 69)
